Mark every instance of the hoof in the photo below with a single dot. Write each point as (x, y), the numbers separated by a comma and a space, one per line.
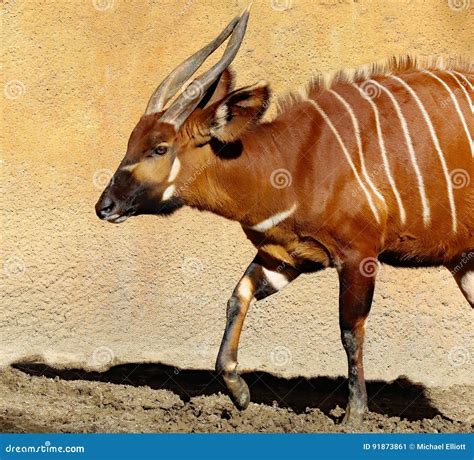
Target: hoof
(239, 392)
(353, 418)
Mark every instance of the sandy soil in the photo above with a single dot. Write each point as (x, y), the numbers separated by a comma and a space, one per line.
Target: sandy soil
(155, 398)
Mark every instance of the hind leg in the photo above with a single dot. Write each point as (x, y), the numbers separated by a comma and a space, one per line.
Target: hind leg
(462, 270)
(356, 290)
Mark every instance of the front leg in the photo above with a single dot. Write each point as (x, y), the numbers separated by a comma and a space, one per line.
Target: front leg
(356, 289)
(263, 277)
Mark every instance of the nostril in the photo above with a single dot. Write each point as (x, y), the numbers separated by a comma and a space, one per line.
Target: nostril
(104, 207)
(107, 208)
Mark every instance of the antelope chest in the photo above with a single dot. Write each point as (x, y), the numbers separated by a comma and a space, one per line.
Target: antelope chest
(280, 245)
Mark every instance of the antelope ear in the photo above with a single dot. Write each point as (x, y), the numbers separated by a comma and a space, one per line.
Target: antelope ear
(220, 89)
(239, 111)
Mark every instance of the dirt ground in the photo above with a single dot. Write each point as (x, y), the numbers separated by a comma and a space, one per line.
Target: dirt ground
(156, 398)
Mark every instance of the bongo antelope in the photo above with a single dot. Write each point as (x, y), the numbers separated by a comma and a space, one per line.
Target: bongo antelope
(366, 166)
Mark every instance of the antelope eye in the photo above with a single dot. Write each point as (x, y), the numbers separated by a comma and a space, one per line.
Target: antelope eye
(160, 149)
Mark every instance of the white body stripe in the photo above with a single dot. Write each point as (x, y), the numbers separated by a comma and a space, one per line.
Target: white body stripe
(411, 151)
(456, 105)
(277, 280)
(383, 151)
(464, 90)
(267, 224)
(348, 158)
(355, 124)
(464, 78)
(434, 137)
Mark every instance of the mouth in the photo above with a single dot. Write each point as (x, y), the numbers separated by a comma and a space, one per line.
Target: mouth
(116, 218)
(119, 218)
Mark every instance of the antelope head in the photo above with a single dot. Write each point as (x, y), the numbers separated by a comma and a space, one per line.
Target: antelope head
(165, 140)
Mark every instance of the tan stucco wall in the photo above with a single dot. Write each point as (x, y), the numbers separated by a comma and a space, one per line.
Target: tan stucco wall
(75, 78)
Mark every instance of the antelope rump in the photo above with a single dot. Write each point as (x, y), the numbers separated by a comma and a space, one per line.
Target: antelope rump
(364, 166)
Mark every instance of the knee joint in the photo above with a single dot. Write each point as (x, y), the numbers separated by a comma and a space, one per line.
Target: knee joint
(233, 306)
(225, 367)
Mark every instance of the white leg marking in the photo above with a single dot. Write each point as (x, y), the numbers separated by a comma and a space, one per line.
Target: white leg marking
(348, 158)
(168, 193)
(277, 280)
(411, 151)
(456, 105)
(274, 220)
(464, 78)
(464, 90)
(383, 151)
(245, 289)
(175, 168)
(355, 124)
(434, 137)
(467, 285)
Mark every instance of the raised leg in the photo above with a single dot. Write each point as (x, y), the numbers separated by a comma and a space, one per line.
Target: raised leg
(356, 289)
(462, 270)
(263, 277)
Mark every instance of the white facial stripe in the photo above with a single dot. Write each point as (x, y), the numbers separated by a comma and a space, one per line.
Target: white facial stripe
(348, 158)
(435, 140)
(456, 105)
(464, 90)
(411, 151)
(168, 193)
(274, 220)
(467, 285)
(277, 280)
(129, 168)
(175, 168)
(383, 151)
(355, 124)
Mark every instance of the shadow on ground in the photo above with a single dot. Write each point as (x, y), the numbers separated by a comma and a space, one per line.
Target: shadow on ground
(401, 398)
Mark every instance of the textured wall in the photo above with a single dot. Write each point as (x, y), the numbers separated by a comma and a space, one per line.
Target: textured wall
(75, 77)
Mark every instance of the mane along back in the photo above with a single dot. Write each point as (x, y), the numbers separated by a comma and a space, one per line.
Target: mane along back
(391, 66)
